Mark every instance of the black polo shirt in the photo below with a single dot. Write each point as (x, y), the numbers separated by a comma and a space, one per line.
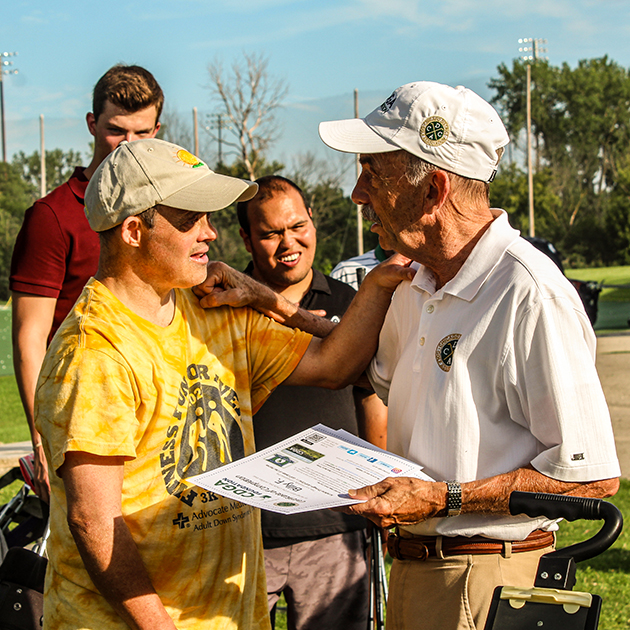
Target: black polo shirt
(290, 410)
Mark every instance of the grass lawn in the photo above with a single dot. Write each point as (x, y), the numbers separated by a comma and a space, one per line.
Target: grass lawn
(13, 427)
(6, 360)
(607, 575)
(607, 276)
(614, 301)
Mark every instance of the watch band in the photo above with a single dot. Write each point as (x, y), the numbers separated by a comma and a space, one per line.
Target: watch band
(453, 498)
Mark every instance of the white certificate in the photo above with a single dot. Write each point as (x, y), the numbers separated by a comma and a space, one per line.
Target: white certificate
(311, 470)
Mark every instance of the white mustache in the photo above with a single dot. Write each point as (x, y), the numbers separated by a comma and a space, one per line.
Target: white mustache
(367, 212)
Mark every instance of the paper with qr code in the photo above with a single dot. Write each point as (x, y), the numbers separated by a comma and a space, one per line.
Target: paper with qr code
(309, 471)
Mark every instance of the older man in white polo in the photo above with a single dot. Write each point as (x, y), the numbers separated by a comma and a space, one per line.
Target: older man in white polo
(486, 361)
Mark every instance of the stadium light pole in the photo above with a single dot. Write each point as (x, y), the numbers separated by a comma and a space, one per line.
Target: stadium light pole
(358, 172)
(3, 63)
(42, 158)
(532, 49)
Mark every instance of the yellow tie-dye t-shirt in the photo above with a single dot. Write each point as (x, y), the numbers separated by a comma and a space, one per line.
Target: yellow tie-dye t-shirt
(176, 401)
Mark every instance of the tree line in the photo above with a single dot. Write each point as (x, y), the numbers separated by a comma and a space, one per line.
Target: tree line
(581, 144)
(581, 139)
(19, 188)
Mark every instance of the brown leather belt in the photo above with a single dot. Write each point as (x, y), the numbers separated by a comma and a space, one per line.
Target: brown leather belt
(422, 547)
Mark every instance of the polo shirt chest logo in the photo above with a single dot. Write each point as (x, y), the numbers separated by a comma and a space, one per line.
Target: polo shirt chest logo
(445, 351)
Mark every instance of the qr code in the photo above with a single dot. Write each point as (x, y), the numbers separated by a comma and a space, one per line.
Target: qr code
(313, 438)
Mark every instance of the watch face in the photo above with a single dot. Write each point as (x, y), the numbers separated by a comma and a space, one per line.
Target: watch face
(454, 499)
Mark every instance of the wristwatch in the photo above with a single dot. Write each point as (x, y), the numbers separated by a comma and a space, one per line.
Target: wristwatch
(453, 498)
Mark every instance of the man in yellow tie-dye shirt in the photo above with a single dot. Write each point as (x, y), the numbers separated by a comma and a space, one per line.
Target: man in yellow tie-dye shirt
(141, 389)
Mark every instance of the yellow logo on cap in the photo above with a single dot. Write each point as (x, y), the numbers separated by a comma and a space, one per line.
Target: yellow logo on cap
(434, 131)
(188, 158)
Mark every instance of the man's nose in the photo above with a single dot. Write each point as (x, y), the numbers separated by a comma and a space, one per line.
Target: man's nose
(208, 231)
(287, 240)
(359, 196)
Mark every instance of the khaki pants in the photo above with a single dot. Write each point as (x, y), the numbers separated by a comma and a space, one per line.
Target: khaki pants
(454, 593)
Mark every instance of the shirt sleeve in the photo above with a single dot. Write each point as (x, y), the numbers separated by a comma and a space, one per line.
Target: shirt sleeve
(38, 264)
(381, 369)
(86, 402)
(346, 272)
(274, 352)
(553, 387)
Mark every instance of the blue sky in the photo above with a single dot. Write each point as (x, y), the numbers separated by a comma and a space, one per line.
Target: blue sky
(323, 49)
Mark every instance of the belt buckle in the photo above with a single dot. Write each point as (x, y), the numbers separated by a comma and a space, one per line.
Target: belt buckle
(420, 550)
(425, 552)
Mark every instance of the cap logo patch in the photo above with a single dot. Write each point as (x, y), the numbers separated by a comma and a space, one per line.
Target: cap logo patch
(445, 351)
(189, 158)
(389, 103)
(434, 131)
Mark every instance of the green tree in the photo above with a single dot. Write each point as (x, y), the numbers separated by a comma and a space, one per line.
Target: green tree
(16, 195)
(509, 191)
(59, 167)
(618, 217)
(581, 127)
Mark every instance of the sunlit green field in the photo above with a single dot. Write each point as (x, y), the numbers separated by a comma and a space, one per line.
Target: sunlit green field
(607, 575)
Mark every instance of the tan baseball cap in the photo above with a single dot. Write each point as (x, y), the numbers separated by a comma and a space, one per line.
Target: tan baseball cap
(139, 175)
(452, 128)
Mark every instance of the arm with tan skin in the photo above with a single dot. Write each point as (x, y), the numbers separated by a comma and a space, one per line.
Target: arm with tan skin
(404, 501)
(371, 417)
(32, 319)
(226, 286)
(93, 486)
(339, 358)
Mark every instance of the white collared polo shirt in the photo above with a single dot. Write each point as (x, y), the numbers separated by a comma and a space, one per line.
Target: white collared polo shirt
(493, 372)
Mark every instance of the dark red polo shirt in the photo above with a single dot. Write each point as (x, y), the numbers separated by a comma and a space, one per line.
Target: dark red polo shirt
(56, 251)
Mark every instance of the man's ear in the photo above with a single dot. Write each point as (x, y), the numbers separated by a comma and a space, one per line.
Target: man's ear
(156, 129)
(246, 239)
(437, 191)
(132, 230)
(91, 123)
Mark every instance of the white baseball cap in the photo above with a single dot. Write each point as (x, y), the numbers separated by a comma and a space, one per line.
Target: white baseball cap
(139, 175)
(452, 128)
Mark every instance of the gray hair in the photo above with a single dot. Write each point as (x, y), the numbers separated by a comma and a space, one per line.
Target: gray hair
(416, 169)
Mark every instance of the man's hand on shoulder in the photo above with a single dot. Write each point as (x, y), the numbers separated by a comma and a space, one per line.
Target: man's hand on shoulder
(226, 286)
(390, 273)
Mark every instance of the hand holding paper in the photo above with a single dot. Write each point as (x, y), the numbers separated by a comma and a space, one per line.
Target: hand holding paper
(308, 471)
(398, 501)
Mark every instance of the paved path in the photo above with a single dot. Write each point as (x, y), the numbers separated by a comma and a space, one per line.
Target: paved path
(613, 365)
(11, 453)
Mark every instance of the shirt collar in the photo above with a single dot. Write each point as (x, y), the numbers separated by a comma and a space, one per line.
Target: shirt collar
(320, 283)
(78, 182)
(485, 256)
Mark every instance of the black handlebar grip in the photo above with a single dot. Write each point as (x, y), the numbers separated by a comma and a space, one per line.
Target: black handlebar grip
(555, 506)
(571, 509)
